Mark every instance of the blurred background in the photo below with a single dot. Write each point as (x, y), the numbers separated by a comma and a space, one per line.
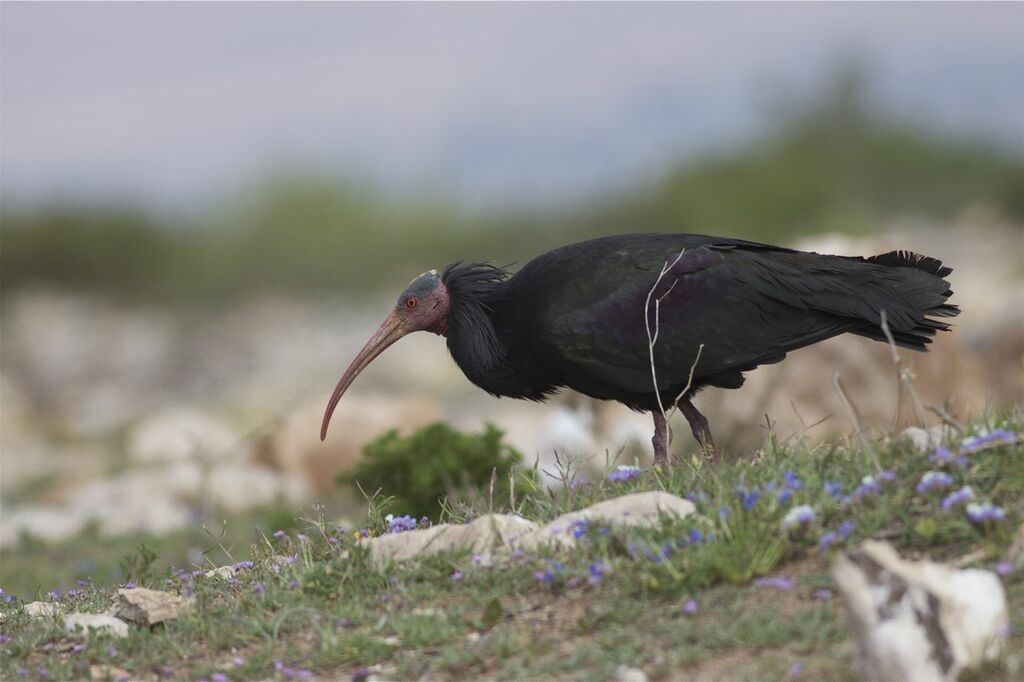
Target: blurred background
(207, 208)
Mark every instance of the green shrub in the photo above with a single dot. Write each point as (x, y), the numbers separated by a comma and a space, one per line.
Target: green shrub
(437, 461)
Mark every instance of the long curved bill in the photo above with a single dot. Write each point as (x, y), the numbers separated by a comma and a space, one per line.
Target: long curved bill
(390, 331)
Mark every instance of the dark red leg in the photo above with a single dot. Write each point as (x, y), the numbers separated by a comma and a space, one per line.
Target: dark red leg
(662, 438)
(700, 428)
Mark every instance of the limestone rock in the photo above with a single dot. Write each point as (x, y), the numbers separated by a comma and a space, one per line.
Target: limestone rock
(41, 609)
(918, 619)
(295, 449)
(626, 674)
(223, 572)
(181, 433)
(637, 509)
(146, 607)
(482, 535)
(238, 486)
(108, 672)
(100, 622)
(924, 439)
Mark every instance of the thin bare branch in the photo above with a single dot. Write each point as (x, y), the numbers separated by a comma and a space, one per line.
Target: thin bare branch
(652, 336)
(904, 379)
(851, 412)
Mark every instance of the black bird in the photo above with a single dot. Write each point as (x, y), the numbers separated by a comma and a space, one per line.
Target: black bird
(583, 316)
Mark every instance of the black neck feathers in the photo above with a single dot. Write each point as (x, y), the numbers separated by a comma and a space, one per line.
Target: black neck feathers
(474, 289)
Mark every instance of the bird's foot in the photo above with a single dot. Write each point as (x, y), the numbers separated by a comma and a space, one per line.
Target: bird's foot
(661, 440)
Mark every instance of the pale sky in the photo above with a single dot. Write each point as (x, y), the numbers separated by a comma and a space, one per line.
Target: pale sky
(176, 104)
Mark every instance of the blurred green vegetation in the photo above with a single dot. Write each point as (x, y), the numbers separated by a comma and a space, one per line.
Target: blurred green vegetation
(419, 470)
(833, 164)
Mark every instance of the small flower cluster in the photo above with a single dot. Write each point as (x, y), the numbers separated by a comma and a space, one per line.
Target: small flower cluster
(970, 445)
(400, 524)
(980, 513)
(844, 531)
(933, 480)
(958, 497)
(291, 673)
(624, 472)
(802, 515)
(781, 582)
(597, 571)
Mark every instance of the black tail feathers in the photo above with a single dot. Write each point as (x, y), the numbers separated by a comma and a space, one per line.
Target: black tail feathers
(918, 296)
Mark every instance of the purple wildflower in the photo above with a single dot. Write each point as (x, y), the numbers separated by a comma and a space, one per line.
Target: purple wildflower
(293, 584)
(824, 594)
(826, 541)
(55, 594)
(112, 651)
(695, 537)
(4, 639)
(793, 481)
(78, 648)
(958, 497)
(691, 607)
(869, 486)
(42, 672)
(21, 672)
(361, 675)
(400, 524)
(218, 677)
(933, 480)
(332, 540)
(547, 576)
(280, 535)
(979, 513)
(998, 436)
(941, 455)
(724, 512)
(245, 564)
(888, 475)
(237, 661)
(795, 670)
(598, 570)
(576, 482)
(802, 515)
(258, 588)
(748, 498)
(846, 529)
(1004, 568)
(457, 575)
(624, 472)
(834, 488)
(517, 554)
(579, 527)
(301, 537)
(778, 582)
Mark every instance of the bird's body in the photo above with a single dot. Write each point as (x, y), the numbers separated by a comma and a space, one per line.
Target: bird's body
(575, 317)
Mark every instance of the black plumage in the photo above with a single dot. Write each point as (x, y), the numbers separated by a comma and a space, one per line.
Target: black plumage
(574, 317)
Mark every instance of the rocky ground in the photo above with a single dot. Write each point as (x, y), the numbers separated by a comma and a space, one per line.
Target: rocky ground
(885, 558)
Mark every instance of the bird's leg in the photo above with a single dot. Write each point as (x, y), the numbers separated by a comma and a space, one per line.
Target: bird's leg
(700, 428)
(662, 438)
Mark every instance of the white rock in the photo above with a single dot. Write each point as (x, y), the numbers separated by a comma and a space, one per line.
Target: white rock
(51, 523)
(238, 486)
(626, 674)
(644, 509)
(41, 609)
(483, 535)
(101, 622)
(294, 447)
(918, 619)
(222, 572)
(181, 433)
(924, 439)
(146, 607)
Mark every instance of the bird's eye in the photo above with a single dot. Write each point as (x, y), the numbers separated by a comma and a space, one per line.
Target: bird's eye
(410, 303)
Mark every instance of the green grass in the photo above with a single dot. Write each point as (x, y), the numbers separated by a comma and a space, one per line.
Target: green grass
(330, 611)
